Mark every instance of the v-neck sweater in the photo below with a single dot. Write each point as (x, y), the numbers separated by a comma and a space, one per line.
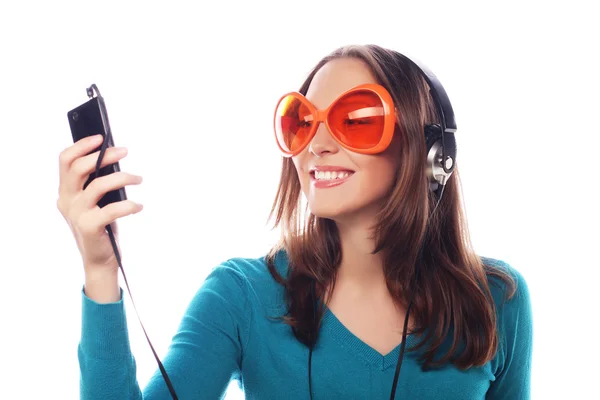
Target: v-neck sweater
(230, 331)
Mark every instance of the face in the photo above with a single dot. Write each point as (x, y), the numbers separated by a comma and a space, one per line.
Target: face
(339, 184)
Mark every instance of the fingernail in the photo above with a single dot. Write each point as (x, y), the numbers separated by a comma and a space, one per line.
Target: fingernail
(96, 138)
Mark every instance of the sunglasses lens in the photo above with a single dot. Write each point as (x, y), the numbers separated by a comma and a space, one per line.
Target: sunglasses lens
(357, 119)
(293, 121)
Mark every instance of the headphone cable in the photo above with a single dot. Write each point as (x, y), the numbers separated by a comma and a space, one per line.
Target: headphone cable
(107, 139)
(410, 303)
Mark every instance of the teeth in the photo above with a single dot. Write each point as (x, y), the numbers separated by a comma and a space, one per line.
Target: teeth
(330, 175)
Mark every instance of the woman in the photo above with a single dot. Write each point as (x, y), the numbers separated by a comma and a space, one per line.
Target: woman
(380, 278)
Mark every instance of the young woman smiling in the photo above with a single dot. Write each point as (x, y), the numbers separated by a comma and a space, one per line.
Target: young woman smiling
(375, 277)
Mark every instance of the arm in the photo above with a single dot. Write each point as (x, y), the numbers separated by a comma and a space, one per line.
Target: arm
(513, 372)
(204, 354)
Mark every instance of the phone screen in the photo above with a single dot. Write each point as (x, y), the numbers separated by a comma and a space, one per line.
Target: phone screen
(91, 119)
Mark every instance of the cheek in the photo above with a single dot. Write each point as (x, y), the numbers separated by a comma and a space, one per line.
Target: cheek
(297, 164)
(378, 175)
(302, 177)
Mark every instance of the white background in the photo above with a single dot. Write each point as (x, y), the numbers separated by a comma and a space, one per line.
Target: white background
(190, 91)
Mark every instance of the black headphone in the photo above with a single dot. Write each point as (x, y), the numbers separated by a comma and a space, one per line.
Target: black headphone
(441, 162)
(440, 140)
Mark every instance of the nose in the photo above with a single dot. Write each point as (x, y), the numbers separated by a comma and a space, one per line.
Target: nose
(323, 143)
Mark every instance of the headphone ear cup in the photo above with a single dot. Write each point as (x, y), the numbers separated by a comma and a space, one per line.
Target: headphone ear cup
(433, 134)
(433, 141)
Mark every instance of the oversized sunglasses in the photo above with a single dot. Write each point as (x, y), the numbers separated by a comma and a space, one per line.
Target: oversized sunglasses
(361, 119)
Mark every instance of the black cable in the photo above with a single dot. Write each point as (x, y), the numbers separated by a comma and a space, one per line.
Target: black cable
(410, 303)
(111, 235)
(402, 345)
(309, 371)
(312, 335)
(163, 371)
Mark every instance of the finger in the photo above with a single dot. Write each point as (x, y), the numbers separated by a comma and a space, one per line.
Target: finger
(100, 186)
(76, 150)
(94, 221)
(110, 213)
(84, 166)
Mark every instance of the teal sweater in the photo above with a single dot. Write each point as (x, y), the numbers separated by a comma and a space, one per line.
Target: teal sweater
(226, 333)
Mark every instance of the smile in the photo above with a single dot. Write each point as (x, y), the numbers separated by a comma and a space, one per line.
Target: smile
(327, 179)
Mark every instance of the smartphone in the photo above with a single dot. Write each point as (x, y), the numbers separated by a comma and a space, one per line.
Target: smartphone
(89, 119)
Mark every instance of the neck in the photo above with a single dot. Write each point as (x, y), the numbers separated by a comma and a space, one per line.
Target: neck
(358, 264)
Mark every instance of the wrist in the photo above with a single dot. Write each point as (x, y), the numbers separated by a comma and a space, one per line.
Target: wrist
(100, 271)
(102, 286)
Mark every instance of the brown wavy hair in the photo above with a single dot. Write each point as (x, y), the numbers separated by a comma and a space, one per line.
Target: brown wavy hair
(452, 298)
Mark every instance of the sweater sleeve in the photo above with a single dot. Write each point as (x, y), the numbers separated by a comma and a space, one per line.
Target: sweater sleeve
(513, 360)
(203, 356)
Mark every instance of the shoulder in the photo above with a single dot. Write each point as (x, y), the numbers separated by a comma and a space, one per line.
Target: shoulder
(513, 311)
(251, 277)
(254, 271)
(508, 286)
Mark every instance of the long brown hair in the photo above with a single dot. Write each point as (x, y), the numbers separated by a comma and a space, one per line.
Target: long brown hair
(452, 293)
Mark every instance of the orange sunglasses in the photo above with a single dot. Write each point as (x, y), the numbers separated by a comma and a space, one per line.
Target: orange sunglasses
(361, 119)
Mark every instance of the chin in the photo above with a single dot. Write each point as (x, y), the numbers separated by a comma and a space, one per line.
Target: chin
(334, 212)
(335, 206)
(353, 213)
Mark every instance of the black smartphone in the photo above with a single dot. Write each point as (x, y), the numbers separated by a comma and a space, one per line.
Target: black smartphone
(89, 119)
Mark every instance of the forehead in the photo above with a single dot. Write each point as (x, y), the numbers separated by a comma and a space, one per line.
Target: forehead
(335, 77)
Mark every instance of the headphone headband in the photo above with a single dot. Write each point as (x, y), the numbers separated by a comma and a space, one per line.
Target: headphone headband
(448, 122)
(439, 95)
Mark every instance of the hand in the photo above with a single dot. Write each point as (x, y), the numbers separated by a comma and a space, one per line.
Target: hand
(79, 207)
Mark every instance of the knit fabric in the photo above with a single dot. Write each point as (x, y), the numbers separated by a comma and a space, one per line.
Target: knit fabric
(230, 331)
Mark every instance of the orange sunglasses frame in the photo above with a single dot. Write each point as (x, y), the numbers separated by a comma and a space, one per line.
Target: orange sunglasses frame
(319, 116)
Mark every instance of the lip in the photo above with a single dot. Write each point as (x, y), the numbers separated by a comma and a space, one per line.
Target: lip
(326, 168)
(323, 184)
